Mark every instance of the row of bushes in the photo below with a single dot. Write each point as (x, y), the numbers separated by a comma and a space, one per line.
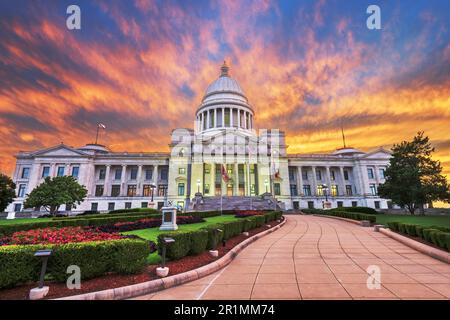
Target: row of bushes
(73, 222)
(348, 215)
(439, 236)
(121, 212)
(365, 210)
(19, 265)
(195, 242)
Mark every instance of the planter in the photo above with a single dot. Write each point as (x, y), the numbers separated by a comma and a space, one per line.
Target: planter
(162, 272)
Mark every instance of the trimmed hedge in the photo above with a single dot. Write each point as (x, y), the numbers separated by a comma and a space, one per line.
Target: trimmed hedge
(365, 210)
(348, 215)
(72, 222)
(439, 236)
(94, 259)
(195, 242)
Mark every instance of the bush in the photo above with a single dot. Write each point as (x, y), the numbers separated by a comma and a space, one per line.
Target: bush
(365, 210)
(214, 238)
(259, 221)
(232, 228)
(94, 259)
(178, 249)
(249, 224)
(199, 241)
(393, 225)
(136, 210)
(419, 230)
(410, 229)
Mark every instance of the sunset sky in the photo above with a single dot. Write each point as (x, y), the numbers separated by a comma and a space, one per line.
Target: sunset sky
(142, 67)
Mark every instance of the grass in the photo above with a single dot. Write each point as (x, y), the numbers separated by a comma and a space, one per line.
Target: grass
(152, 233)
(443, 221)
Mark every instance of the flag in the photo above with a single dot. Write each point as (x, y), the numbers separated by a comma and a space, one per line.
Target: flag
(225, 176)
(101, 125)
(275, 171)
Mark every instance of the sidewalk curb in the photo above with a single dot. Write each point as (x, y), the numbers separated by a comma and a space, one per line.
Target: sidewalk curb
(171, 281)
(421, 247)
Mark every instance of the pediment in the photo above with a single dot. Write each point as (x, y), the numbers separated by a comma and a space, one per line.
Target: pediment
(378, 154)
(59, 151)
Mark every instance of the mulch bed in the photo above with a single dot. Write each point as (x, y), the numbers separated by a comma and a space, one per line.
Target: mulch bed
(58, 290)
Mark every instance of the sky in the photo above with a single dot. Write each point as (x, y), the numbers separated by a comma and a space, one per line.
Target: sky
(142, 67)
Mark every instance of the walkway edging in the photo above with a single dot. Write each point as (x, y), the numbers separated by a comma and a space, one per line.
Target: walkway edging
(419, 246)
(177, 279)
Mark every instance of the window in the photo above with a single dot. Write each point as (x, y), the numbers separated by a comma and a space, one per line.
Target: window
(292, 174)
(277, 189)
(354, 203)
(99, 189)
(144, 204)
(227, 117)
(307, 190)
(45, 171)
(370, 173)
(111, 206)
(115, 190)
(131, 191)
(60, 171)
(180, 204)
(164, 172)
(94, 206)
(310, 204)
(25, 173)
(22, 188)
(252, 189)
(319, 175)
(345, 174)
(206, 188)
(294, 190)
(118, 174)
(160, 205)
(162, 190)
(320, 190)
(334, 190)
(340, 204)
(304, 175)
(127, 205)
(333, 177)
(102, 174)
(377, 204)
(181, 189)
(17, 207)
(373, 189)
(382, 173)
(181, 170)
(348, 190)
(296, 205)
(148, 174)
(133, 173)
(68, 207)
(75, 172)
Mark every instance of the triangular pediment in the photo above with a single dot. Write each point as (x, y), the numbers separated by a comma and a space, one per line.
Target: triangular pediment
(379, 153)
(59, 151)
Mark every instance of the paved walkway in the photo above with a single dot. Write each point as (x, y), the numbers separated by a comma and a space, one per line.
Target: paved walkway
(321, 258)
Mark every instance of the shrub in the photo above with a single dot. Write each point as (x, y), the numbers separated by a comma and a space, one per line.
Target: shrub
(249, 224)
(199, 241)
(393, 225)
(232, 228)
(214, 238)
(365, 210)
(427, 234)
(259, 221)
(94, 258)
(419, 230)
(177, 249)
(410, 229)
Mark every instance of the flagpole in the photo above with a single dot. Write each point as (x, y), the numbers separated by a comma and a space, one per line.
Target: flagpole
(96, 136)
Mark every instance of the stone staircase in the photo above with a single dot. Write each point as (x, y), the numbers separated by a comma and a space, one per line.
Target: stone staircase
(234, 203)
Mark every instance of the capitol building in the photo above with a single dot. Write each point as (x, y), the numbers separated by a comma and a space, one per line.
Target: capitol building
(221, 163)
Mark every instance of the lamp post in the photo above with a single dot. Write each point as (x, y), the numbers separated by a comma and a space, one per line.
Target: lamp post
(325, 189)
(41, 291)
(163, 271)
(266, 184)
(198, 185)
(152, 186)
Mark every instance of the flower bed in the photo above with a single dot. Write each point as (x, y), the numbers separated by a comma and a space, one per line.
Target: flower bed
(58, 236)
(248, 213)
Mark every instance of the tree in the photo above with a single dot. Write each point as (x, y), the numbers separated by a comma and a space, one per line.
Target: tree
(7, 191)
(54, 192)
(412, 177)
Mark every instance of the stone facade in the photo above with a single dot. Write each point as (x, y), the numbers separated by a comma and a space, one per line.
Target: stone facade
(223, 156)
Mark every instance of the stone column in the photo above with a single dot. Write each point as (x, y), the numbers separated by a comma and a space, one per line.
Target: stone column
(155, 179)
(107, 180)
(328, 180)
(231, 117)
(239, 118)
(139, 182)
(123, 185)
(299, 181)
(223, 117)
(341, 172)
(245, 120)
(52, 170)
(215, 118)
(314, 191)
(208, 120)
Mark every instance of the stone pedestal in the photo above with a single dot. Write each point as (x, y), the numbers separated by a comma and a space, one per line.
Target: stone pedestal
(38, 293)
(11, 215)
(169, 219)
(377, 227)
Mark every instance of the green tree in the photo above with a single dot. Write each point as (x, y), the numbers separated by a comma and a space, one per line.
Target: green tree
(7, 191)
(54, 192)
(413, 178)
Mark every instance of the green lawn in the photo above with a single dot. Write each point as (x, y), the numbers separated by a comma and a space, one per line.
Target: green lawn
(443, 221)
(152, 233)
(23, 220)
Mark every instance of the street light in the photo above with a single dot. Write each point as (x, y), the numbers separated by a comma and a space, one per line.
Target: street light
(44, 254)
(325, 189)
(166, 241)
(152, 186)
(266, 184)
(198, 185)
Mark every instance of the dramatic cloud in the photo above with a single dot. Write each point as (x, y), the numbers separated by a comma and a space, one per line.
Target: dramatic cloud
(142, 67)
